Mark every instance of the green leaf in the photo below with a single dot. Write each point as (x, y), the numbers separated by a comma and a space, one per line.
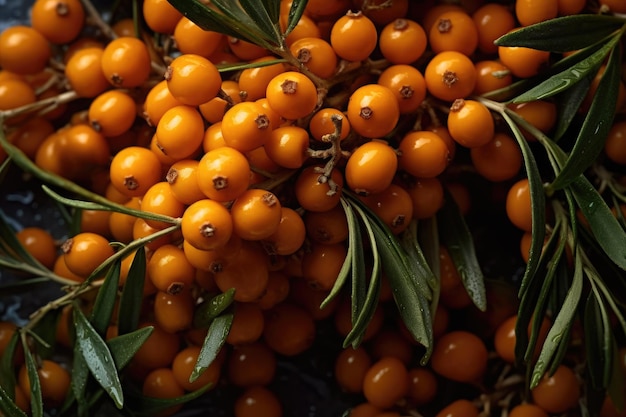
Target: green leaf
(569, 77)
(563, 34)
(45, 330)
(7, 364)
(597, 338)
(36, 399)
(605, 227)
(215, 339)
(132, 294)
(98, 357)
(124, 347)
(245, 65)
(265, 19)
(363, 309)
(457, 238)
(595, 128)
(562, 322)
(537, 202)
(295, 13)
(11, 245)
(7, 405)
(425, 276)
(105, 300)
(80, 377)
(147, 406)
(210, 309)
(568, 102)
(358, 271)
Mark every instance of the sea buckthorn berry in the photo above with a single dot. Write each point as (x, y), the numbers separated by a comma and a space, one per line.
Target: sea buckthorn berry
(14, 94)
(371, 167)
(84, 72)
(95, 221)
(277, 290)
(256, 214)
(490, 76)
(223, 174)
(450, 75)
(505, 338)
(213, 110)
(559, 392)
(393, 206)
(183, 181)
(383, 13)
(180, 132)
(193, 79)
(169, 270)
(431, 15)
(246, 126)
(85, 251)
(500, 159)
(54, 382)
(386, 382)
(253, 81)
(134, 170)
(364, 409)
(126, 62)
(7, 330)
(470, 123)
(289, 236)
(257, 401)
(322, 124)
(353, 36)
(161, 16)
(460, 356)
(213, 137)
(289, 329)
(407, 84)
(327, 226)
(427, 197)
(251, 364)
(292, 95)
(317, 55)
(247, 326)
(23, 50)
(206, 225)
(454, 31)
(124, 27)
(244, 50)
(423, 154)
(192, 39)
(260, 160)
(60, 21)
(305, 28)
(39, 243)
(391, 342)
(247, 272)
(527, 410)
(542, 114)
(83, 146)
(316, 192)
(529, 12)
(351, 365)
(321, 264)
(523, 62)
(173, 312)
(615, 144)
(287, 146)
(492, 20)
(324, 10)
(422, 386)
(459, 408)
(161, 383)
(402, 41)
(112, 112)
(183, 365)
(518, 205)
(373, 111)
(142, 229)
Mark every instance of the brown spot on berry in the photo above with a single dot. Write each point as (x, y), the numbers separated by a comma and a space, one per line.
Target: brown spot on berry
(207, 230)
(220, 182)
(289, 87)
(400, 24)
(398, 220)
(117, 79)
(66, 247)
(444, 25)
(366, 113)
(262, 122)
(62, 9)
(450, 78)
(168, 73)
(457, 105)
(269, 199)
(304, 55)
(171, 176)
(406, 92)
(175, 288)
(130, 183)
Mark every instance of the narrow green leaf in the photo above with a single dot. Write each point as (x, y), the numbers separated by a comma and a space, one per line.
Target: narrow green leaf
(569, 77)
(425, 276)
(537, 202)
(215, 339)
(7, 367)
(597, 333)
(45, 330)
(36, 399)
(563, 34)
(140, 405)
(132, 294)
(562, 322)
(210, 309)
(595, 128)
(605, 227)
(105, 300)
(12, 245)
(80, 377)
(458, 239)
(98, 358)
(260, 15)
(246, 65)
(295, 13)
(568, 102)
(7, 405)
(358, 272)
(353, 244)
(364, 309)
(124, 347)
(428, 239)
